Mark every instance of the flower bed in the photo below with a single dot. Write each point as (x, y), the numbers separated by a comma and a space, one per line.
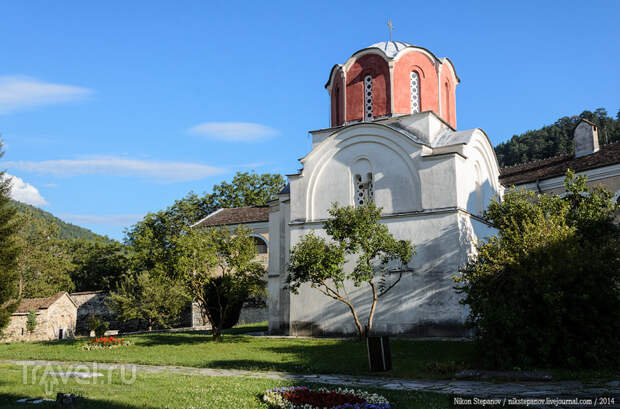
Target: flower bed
(302, 397)
(105, 343)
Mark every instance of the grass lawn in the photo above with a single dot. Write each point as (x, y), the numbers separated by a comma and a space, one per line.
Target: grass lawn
(411, 359)
(169, 391)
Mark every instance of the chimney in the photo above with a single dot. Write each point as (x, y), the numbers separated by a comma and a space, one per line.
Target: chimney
(585, 137)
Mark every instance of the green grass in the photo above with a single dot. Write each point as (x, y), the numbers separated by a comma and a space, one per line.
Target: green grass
(411, 359)
(170, 391)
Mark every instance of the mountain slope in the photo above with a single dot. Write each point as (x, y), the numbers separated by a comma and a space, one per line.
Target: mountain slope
(67, 230)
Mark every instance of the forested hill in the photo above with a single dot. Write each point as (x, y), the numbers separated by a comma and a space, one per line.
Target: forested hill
(66, 230)
(556, 139)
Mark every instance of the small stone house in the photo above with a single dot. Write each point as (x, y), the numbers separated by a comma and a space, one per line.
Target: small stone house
(56, 319)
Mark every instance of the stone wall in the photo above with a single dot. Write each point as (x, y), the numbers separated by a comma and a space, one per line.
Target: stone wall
(92, 302)
(60, 315)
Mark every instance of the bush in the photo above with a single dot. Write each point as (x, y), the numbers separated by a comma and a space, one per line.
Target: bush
(546, 290)
(96, 324)
(31, 321)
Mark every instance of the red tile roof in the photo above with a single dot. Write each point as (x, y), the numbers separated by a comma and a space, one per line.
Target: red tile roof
(239, 215)
(558, 165)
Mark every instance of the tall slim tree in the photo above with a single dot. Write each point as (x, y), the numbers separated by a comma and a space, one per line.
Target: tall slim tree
(356, 233)
(9, 251)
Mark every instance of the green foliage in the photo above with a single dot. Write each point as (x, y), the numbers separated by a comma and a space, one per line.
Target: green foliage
(9, 252)
(556, 139)
(44, 262)
(546, 290)
(97, 325)
(31, 321)
(65, 230)
(152, 238)
(356, 232)
(156, 300)
(97, 265)
(218, 270)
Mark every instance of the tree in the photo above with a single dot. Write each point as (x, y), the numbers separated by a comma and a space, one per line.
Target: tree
(152, 239)
(9, 252)
(355, 233)
(154, 299)
(546, 290)
(218, 270)
(97, 265)
(44, 262)
(31, 321)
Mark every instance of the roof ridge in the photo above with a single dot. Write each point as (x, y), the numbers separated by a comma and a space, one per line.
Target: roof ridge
(536, 161)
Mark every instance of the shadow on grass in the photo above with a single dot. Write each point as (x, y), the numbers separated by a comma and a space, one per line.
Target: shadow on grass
(10, 401)
(185, 339)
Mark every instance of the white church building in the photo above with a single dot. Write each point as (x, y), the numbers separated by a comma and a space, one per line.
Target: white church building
(393, 139)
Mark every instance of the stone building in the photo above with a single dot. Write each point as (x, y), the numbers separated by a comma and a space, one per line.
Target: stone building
(600, 164)
(393, 140)
(56, 319)
(89, 303)
(255, 218)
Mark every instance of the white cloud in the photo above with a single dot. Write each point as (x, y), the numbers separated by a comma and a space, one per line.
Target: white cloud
(161, 171)
(25, 192)
(233, 131)
(18, 93)
(106, 220)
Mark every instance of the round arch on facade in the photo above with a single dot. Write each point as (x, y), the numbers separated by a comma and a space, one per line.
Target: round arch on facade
(262, 244)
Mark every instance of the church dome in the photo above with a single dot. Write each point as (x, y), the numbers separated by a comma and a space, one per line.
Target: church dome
(391, 48)
(392, 78)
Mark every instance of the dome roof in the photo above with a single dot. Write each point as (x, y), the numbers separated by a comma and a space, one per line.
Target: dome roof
(391, 48)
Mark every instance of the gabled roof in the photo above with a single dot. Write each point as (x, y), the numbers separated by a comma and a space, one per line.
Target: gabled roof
(558, 165)
(239, 215)
(35, 304)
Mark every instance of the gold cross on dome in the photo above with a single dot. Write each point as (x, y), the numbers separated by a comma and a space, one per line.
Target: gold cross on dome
(389, 23)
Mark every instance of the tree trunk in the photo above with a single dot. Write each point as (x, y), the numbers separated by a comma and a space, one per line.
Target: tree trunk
(372, 308)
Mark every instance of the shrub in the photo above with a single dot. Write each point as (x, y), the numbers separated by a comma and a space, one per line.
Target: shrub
(546, 290)
(96, 324)
(31, 321)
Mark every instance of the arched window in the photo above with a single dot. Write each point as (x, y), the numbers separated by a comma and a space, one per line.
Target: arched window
(414, 86)
(368, 98)
(364, 190)
(261, 246)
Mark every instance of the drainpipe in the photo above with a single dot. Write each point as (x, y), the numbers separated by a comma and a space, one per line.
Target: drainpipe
(538, 186)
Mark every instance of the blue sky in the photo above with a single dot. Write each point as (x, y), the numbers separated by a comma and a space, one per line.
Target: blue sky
(110, 110)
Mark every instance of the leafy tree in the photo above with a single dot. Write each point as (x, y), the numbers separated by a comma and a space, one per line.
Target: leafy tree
(218, 270)
(152, 239)
(44, 262)
(31, 321)
(546, 290)
(355, 233)
(153, 299)
(9, 252)
(97, 265)
(556, 139)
